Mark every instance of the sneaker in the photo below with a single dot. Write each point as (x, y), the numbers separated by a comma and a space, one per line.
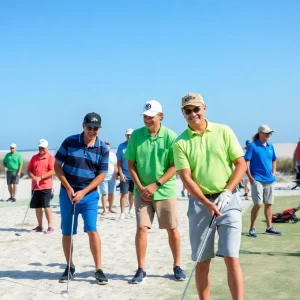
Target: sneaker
(131, 214)
(64, 276)
(252, 232)
(13, 199)
(122, 217)
(273, 231)
(179, 274)
(182, 194)
(100, 277)
(245, 195)
(139, 276)
(9, 199)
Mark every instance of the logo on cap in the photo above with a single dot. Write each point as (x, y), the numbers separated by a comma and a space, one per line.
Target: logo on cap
(188, 98)
(147, 106)
(93, 119)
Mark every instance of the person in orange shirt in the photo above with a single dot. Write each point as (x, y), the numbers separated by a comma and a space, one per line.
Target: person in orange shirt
(41, 171)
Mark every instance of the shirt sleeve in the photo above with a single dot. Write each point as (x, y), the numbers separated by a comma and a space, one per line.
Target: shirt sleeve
(130, 153)
(21, 159)
(274, 157)
(62, 153)
(119, 153)
(234, 148)
(171, 152)
(180, 158)
(249, 152)
(104, 160)
(29, 167)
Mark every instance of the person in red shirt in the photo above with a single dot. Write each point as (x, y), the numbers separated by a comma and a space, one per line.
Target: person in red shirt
(41, 171)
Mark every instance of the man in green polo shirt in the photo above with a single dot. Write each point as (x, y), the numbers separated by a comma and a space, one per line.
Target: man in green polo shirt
(151, 166)
(13, 162)
(210, 162)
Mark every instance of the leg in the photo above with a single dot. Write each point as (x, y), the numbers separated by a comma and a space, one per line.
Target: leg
(268, 215)
(39, 216)
(235, 278)
(174, 242)
(48, 213)
(202, 278)
(141, 245)
(95, 246)
(14, 190)
(131, 200)
(254, 214)
(123, 202)
(104, 201)
(110, 203)
(66, 243)
(10, 189)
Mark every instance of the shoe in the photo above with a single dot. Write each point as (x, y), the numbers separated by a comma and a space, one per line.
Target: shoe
(246, 194)
(13, 199)
(64, 276)
(273, 231)
(131, 214)
(139, 276)
(122, 217)
(182, 194)
(179, 274)
(9, 199)
(100, 277)
(37, 229)
(50, 230)
(252, 232)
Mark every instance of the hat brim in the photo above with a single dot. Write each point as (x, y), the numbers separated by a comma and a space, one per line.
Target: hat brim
(91, 125)
(150, 113)
(267, 131)
(43, 146)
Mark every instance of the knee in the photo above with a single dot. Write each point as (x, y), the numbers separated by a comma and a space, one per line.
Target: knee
(257, 206)
(141, 231)
(173, 232)
(92, 234)
(203, 265)
(232, 262)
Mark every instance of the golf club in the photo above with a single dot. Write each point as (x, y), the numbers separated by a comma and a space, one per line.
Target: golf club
(18, 233)
(65, 293)
(4, 179)
(200, 253)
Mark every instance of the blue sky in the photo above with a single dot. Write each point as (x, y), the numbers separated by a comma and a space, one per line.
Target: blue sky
(62, 59)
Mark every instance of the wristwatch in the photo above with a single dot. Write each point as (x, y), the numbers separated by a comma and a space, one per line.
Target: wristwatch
(42, 177)
(158, 183)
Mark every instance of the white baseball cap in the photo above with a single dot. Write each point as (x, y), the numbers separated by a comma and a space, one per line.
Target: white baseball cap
(264, 129)
(43, 143)
(13, 145)
(152, 108)
(129, 131)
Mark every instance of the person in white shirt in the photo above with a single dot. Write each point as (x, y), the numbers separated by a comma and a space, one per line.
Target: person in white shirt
(108, 186)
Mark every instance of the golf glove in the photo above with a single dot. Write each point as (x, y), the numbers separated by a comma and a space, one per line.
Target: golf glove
(223, 200)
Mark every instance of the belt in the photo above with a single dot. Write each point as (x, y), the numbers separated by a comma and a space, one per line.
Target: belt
(216, 195)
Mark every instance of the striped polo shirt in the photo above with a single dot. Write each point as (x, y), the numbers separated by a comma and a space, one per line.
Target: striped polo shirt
(81, 164)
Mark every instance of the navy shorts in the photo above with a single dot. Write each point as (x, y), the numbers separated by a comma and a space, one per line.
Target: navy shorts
(126, 187)
(87, 207)
(41, 198)
(12, 178)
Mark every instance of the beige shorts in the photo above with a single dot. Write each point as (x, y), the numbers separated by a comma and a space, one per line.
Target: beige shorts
(166, 211)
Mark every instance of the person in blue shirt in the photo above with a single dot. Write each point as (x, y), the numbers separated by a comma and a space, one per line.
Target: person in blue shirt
(126, 183)
(81, 164)
(261, 161)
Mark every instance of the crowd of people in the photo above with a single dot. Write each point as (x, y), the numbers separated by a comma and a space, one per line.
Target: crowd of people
(207, 157)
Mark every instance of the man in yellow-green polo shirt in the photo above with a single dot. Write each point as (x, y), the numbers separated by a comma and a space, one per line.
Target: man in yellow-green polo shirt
(151, 165)
(13, 162)
(210, 162)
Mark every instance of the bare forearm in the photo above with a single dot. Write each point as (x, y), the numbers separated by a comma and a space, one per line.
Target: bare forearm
(20, 168)
(48, 174)
(134, 176)
(95, 182)
(119, 167)
(168, 175)
(30, 174)
(274, 165)
(239, 171)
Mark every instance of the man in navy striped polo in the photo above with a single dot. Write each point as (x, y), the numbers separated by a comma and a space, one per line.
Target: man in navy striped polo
(81, 164)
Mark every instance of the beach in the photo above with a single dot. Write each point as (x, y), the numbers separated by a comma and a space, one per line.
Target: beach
(31, 264)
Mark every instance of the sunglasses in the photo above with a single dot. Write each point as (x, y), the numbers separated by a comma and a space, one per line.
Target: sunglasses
(92, 128)
(188, 111)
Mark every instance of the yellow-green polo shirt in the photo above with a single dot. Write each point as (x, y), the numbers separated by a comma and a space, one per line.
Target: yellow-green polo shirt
(208, 155)
(152, 156)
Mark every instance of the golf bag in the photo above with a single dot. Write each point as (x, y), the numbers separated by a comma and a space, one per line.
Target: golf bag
(288, 215)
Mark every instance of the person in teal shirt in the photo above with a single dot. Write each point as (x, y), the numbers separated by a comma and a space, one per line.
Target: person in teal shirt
(13, 162)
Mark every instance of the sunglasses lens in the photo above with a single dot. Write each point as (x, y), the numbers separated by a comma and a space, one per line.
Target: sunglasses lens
(195, 110)
(92, 128)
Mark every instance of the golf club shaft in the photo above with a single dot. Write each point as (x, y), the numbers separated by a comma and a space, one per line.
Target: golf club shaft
(213, 219)
(71, 244)
(29, 205)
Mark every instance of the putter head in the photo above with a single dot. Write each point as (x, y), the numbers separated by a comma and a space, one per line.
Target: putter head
(65, 294)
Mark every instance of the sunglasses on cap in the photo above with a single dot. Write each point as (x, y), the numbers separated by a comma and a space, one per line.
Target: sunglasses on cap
(92, 128)
(188, 111)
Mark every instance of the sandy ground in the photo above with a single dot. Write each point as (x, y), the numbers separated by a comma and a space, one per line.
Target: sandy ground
(31, 264)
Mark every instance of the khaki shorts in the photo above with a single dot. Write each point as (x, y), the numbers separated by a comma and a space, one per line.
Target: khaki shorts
(262, 193)
(166, 211)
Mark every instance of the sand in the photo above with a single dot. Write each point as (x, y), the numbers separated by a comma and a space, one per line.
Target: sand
(31, 264)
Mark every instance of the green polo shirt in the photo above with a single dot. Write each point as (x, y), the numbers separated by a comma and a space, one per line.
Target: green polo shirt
(12, 161)
(152, 157)
(209, 156)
